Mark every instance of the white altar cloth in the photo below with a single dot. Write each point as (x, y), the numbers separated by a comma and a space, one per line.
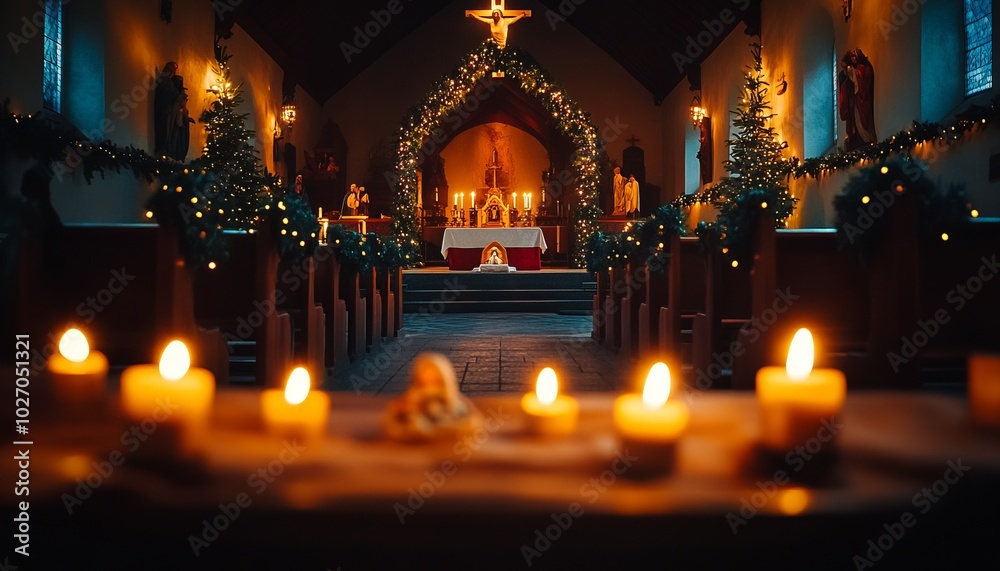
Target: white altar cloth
(531, 237)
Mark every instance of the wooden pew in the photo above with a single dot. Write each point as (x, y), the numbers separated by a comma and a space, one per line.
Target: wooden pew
(350, 292)
(373, 308)
(686, 284)
(250, 313)
(328, 294)
(635, 293)
(396, 279)
(298, 284)
(600, 316)
(383, 282)
(613, 308)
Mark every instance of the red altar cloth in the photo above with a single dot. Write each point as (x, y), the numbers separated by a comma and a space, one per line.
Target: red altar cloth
(520, 258)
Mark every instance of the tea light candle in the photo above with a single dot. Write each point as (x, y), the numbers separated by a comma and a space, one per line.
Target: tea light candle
(78, 374)
(794, 400)
(296, 410)
(549, 413)
(650, 424)
(173, 392)
(984, 389)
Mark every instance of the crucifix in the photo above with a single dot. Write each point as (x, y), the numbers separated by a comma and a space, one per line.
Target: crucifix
(497, 20)
(633, 140)
(494, 166)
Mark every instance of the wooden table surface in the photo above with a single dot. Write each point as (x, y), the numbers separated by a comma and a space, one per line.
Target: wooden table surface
(499, 485)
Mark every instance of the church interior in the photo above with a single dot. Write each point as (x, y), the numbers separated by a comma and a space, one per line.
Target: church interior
(500, 284)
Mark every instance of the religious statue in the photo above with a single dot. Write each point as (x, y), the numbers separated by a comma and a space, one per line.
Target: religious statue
(433, 406)
(298, 189)
(494, 258)
(631, 195)
(362, 201)
(178, 124)
(165, 99)
(856, 99)
(705, 150)
(351, 202)
(493, 214)
(497, 21)
(619, 193)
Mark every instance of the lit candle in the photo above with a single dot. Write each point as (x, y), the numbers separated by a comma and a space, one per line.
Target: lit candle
(527, 202)
(173, 392)
(78, 374)
(984, 389)
(650, 424)
(435, 195)
(513, 197)
(548, 412)
(463, 200)
(796, 399)
(456, 200)
(473, 199)
(320, 212)
(296, 410)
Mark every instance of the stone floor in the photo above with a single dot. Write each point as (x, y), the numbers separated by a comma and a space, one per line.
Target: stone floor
(492, 353)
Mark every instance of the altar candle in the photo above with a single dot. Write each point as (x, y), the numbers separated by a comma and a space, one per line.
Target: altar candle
(473, 199)
(650, 424)
(456, 200)
(796, 399)
(527, 202)
(984, 389)
(78, 374)
(435, 195)
(320, 212)
(296, 410)
(513, 197)
(549, 413)
(463, 200)
(173, 392)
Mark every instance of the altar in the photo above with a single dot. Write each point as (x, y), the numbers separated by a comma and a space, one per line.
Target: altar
(462, 247)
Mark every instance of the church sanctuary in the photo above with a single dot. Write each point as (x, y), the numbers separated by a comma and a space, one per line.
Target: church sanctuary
(312, 285)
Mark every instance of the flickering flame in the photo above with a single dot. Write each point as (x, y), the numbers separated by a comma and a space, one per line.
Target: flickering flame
(657, 389)
(297, 387)
(800, 355)
(73, 345)
(547, 387)
(175, 361)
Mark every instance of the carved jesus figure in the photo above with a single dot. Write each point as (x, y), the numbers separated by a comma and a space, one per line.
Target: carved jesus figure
(494, 257)
(498, 24)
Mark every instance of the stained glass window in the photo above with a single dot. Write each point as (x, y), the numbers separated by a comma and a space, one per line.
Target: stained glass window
(978, 46)
(52, 72)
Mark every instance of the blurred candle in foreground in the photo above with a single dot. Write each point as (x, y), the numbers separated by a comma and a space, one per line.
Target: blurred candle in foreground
(984, 389)
(172, 393)
(549, 413)
(78, 374)
(796, 401)
(650, 424)
(296, 410)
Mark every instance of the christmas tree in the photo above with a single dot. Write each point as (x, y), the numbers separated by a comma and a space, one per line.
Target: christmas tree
(757, 170)
(241, 181)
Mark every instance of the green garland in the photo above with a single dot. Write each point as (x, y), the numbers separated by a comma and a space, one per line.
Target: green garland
(294, 226)
(862, 207)
(644, 242)
(451, 93)
(184, 202)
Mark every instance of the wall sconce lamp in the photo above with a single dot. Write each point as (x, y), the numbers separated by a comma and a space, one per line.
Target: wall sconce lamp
(289, 113)
(697, 111)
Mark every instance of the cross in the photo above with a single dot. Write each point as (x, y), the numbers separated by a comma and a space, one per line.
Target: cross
(498, 31)
(633, 140)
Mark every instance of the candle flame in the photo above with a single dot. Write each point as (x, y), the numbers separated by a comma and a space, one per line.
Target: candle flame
(175, 362)
(800, 355)
(547, 387)
(657, 388)
(73, 345)
(297, 387)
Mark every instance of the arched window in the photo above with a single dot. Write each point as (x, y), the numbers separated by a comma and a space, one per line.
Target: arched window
(978, 46)
(941, 56)
(52, 57)
(819, 85)
(692, 168)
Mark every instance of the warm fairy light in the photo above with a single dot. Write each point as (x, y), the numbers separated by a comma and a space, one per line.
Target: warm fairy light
(865, 199)
(211, 265)
(975, 213)
(149, 214)
(657, 387)
(73, 345)
(547, 387)
(944, 236)
(297, 387)
(800, 355)
(885, 170)
(736, 263)
(175, 361)
(793, 501)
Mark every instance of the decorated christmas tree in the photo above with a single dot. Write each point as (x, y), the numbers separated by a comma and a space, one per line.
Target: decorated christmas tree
(242, 183)
(757, 170)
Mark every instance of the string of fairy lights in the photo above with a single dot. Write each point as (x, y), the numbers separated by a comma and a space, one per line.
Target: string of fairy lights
(454, 90)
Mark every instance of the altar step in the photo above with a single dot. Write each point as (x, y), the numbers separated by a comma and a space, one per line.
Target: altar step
(546, 291)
